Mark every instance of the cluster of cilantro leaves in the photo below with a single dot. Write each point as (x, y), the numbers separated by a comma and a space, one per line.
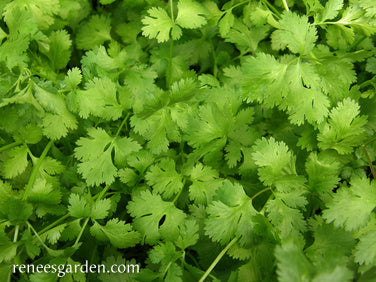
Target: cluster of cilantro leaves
(202, 139)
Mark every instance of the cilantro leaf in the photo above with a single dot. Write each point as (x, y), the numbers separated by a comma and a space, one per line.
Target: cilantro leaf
(295, 33)
(99, 99)
(16, 163)
(204, 183)
(164, 178)
(59, 49)
(344, 129)
(230, 215)
(158, 25)
(117, 232)
(351, 206)
(190, 14)
(148, 211)
(94, 32)
(276, 164)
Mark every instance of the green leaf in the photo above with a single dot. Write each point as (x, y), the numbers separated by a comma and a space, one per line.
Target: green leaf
(73, 78)
(158, 25)
(78, 206)
(188, 235)
(16, 211)
(276, 163)
(59, 49)
(117, 232)
(365, 251)
(94, 32)
(230, 215)
(59, 120)
(16, 163)
(226, 23)
(99, 210)
(351, 207)
(204, 183)
(166, 255)
(45, 197)
(154, 218)
(8, 249)
(295, 33)
(190, 14)
(164, 178)
(323, 173)
(344, 129)
(292, 264)
(100, 99)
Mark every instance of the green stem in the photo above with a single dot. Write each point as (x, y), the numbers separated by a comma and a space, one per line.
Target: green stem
(260, 192)
(271, 8)
(10, 146)
(237, 5)
(369, 142)
(15, 237)
(169, 69)
(178, 195)
(122, 125)
(37, 235)
(217, 259)
(101, 194)
(369, 162)
(286, 6)
(53, 224)
(35, 170)
(366, 83)
(81, 232)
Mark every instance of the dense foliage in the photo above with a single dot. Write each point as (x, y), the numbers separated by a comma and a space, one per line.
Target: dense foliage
(230, 141)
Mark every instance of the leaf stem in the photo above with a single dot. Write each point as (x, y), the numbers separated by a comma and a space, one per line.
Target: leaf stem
(369, 142)
(35, 170)
(217, 259)
(101, 194)
(260, 192)
(10, 146)
(15, 237)
(271, 8)
(285, 5)
(37, 235)
(53, 224)
(81, 232)
(178, 195)
(122, 125)
(369, 162)
(169, 68)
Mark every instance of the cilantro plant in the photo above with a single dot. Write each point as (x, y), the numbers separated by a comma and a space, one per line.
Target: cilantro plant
(202, 139)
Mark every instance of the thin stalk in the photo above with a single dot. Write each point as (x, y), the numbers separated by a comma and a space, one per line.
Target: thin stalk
(260, 192)
(169, 69)
(101, 194)
(53, 224)
(10, 146)
(271, 8)
(15, 237)
(285, 5)
(37, 235)
(35, 170)
(178, 195)
(122, 125)
(366, 83)
(81, 232)
(237, 5)
(369, 162)
(369, 142)
(217, 259)
(215, 66)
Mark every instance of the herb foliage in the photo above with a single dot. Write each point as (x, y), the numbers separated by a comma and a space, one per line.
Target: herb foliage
(228, 141)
